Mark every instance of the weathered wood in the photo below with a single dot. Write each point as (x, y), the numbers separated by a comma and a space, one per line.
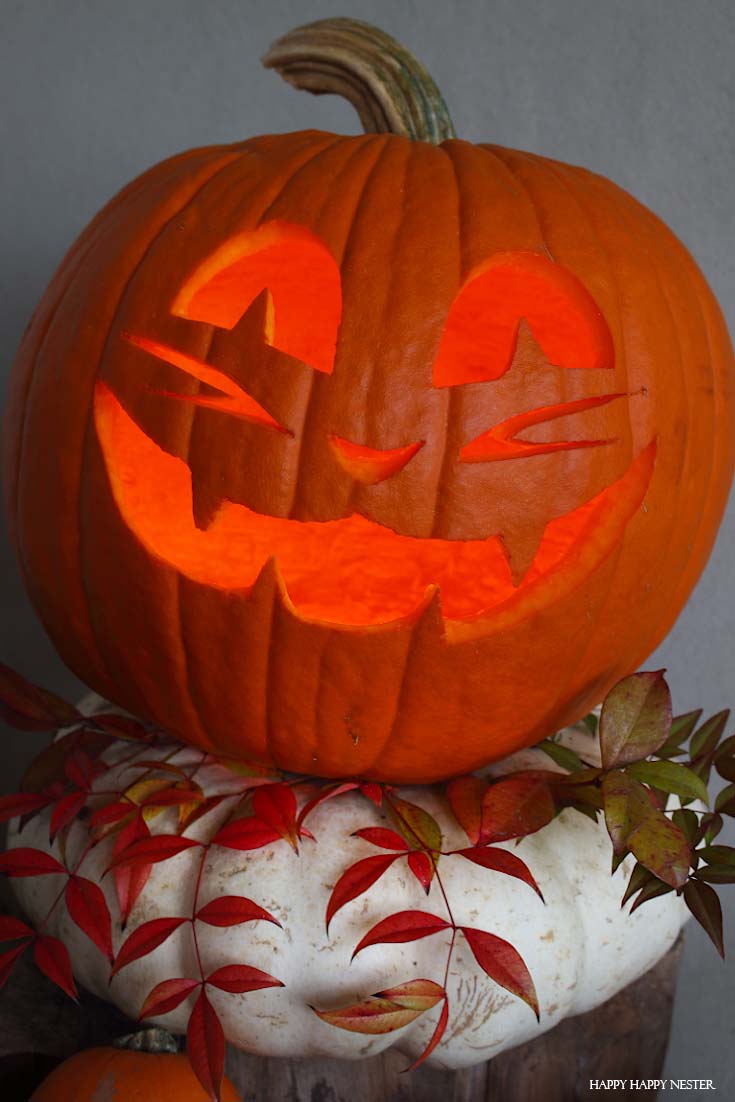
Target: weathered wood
(623, 1039)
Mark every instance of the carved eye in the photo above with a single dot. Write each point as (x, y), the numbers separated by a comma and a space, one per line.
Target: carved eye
(478, 343)
(303, 284)
(234, 400)
(501, 442)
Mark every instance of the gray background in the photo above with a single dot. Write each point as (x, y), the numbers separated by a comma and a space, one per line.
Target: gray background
(92, 93)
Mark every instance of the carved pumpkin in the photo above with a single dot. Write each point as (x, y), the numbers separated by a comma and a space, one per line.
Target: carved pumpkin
(367, 455)
(125, 1076)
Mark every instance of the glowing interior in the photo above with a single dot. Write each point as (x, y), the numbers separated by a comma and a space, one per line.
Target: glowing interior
(371, 465)
(303, 284)
(501, 441)
(480, 337)
(349, 571)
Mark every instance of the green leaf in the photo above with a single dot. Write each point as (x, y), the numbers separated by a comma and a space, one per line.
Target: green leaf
(417, 826)
(638, 878)
(670, 776)
(652, 890)
(725, 802)
(709, 735)
(635, 719)
(718, 855)
(703, 902)
(626, 804)
(662, 848)
(591, 723)
(561, 755)
(726, 768)
(688, 823)
(681, 729)
(716, 874)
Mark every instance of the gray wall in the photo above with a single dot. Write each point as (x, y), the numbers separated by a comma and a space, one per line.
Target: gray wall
(94, 91)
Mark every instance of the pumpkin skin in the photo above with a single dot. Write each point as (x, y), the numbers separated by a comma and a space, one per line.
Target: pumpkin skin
(580, 946)
(126, 1077)
(406, 674)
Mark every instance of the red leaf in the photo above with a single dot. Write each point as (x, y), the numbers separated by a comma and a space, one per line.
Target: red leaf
(635, 719)
(504, 964)
(239, 978)
(500, 861)
(52, 959)
(153, 850)
(161, 766)
(205, 1045)
(326, 793)
(356, 880)
(130, 880)
(87, 908)
(436, 1037)
(144, 940)
(275, 805)
(703, 902)
(166, 996)
(386, 1011)
(245, 834)
(21, 803)
(8, 959)
(30, 708)
(12, 928)
(106, 819)
(80, 769)
(29, 862)
(373, 791)
(124, 727)
(403, 926)
(515, 807)
(418, 827)
(232, 910)
(465, 796)
(173, 797)
(381, 836)
(422, 868)
(65, 812)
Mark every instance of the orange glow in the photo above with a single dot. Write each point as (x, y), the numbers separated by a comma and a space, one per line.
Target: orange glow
(303, 284)
(500, 442)
(480, 337)
(371, 465)
(349, 571)
(234, 400)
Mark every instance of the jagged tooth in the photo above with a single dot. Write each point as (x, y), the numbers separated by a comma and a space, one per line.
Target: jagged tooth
(429, 618)
(269, 586)
(520, 546)
(205, 501)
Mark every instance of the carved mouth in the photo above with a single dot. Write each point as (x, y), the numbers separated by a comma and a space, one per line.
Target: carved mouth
(351, 572)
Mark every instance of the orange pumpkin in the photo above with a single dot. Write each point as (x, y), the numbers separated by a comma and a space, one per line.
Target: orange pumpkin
(123, 1075)
(375, 455)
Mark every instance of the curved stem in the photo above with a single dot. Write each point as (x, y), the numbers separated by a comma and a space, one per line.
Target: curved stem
(390, 90)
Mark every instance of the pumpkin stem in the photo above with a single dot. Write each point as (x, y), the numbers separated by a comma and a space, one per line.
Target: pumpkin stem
(148, 1040)
(391, 92)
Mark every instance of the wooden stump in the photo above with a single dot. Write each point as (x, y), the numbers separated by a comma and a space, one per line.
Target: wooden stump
(625, 1038)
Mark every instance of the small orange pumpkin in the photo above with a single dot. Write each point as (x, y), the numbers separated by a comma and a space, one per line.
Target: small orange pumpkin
(126, 1076)
(380, 455)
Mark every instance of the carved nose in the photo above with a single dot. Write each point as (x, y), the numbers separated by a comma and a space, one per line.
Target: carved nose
(371, 465)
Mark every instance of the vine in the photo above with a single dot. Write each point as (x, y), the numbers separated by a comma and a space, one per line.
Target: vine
(635, 760)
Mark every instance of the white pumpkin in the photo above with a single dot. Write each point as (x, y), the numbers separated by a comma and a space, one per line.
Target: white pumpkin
(580, 946)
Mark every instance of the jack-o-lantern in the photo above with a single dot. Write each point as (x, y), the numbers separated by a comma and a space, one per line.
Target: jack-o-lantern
(377, 455)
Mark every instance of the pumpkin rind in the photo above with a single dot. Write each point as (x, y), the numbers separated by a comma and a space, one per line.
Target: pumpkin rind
(102, 1073)
(420, 695)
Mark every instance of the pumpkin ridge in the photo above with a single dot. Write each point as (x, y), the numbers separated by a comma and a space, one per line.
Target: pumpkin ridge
(565, 176)
(302, 439)
(220, 165)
